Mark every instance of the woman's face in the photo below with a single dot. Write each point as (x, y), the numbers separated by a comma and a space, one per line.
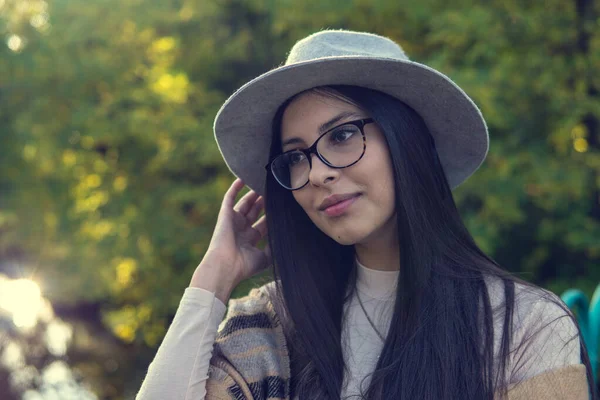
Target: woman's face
(372, 212)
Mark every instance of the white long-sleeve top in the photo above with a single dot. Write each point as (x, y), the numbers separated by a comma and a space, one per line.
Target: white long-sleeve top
(180, 368)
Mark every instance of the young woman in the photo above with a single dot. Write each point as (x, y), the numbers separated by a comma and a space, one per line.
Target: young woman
(380, 291)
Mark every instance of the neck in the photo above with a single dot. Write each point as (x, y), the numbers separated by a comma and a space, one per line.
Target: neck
(381, 251)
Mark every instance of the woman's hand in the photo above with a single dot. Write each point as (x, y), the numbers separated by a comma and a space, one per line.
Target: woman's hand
(232, 255)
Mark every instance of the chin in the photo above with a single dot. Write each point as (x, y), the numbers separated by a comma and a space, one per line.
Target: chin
(346, 238)
(343, 241)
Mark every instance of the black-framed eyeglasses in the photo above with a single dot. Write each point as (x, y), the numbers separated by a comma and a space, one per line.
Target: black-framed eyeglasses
(340, 147)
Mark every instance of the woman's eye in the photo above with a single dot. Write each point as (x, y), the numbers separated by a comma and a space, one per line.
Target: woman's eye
(295, 158)
(342, 135)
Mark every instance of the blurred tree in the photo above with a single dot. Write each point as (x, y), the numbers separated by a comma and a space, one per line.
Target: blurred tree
(110, 179)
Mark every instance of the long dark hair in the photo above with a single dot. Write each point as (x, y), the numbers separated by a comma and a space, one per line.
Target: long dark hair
(439, 345)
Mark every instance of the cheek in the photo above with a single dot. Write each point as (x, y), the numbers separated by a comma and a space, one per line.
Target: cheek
(377, 172)
(385, 199)
(303, 200)
(379, 183)
(306, 201)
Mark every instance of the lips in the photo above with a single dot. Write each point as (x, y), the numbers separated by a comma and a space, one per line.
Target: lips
(340, 208)
(335, 199)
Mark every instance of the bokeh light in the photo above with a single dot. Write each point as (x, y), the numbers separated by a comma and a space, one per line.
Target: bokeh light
(15, 43)
(12, 356)
(40, 21)
(58, 336)
(23, 307)
(581, 145)
(23, 299)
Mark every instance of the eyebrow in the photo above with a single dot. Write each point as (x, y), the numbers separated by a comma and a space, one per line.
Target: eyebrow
(325, 126)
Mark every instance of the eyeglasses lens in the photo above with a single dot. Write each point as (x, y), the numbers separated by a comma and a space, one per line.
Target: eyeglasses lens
(341, 147)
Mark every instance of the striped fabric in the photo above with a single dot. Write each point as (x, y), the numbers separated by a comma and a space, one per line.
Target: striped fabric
(250, 359)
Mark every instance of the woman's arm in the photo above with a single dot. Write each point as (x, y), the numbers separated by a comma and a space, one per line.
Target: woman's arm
(180, 368)
(546, 339)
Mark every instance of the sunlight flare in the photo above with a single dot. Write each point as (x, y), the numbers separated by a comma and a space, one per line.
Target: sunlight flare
(23, 299)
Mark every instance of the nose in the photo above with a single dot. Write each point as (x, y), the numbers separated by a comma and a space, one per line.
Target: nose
(321, 173)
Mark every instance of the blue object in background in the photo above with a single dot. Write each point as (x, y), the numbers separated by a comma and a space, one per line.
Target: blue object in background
(588, 316)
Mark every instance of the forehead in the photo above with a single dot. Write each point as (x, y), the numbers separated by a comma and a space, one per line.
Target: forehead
(308, 112)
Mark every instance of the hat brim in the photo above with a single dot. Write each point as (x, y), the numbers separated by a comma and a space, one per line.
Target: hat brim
(243, 129)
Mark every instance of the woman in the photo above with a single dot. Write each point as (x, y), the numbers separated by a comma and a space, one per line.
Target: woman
(380, 292)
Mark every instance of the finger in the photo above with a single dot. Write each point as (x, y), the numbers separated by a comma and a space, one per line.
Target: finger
(232, 192)
(246, 202)
(261, 226)
(256, 208)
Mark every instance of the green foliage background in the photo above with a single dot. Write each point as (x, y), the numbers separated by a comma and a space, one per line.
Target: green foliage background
(110, 179)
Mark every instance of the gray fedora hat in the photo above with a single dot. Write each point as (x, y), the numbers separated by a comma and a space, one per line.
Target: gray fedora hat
(339, 57)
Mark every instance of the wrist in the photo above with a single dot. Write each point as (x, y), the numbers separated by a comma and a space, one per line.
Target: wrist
(212, 279)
